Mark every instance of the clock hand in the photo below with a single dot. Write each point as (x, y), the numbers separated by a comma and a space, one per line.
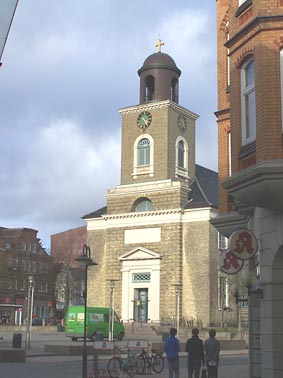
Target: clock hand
(144, 122)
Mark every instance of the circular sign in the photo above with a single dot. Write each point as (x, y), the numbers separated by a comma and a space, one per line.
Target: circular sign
(230, 264)
(243, 244)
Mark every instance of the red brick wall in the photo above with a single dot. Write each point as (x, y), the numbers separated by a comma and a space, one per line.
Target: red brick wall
(68, 245)
(263, 40)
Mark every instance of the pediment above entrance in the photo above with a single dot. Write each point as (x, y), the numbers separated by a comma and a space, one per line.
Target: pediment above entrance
(140, 253)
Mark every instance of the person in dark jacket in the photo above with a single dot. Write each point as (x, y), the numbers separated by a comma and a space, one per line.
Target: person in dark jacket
(172, 349)
(194, 348)
(212, 349)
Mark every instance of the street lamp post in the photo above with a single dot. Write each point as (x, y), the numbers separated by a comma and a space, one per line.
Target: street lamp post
(85, 259)
(177, 306)
(111, 317)
(29, 310)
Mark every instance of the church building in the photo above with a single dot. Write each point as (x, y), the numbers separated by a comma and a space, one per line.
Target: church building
(153, 241)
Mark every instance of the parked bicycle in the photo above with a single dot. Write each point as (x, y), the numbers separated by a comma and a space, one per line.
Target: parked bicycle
(146, 361)
(124, 362)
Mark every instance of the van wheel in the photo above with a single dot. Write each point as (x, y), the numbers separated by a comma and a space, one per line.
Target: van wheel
(74, 338)
(120, 336)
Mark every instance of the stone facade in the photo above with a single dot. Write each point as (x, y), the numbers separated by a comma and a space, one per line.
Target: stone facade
(185, 248)
(154, 239)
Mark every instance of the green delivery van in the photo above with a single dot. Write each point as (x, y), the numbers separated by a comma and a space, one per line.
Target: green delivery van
(97, 321)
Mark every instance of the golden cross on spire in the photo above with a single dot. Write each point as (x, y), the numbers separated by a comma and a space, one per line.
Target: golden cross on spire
(159, 44)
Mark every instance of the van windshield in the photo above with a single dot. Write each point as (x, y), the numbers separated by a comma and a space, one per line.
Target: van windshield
(96, 318)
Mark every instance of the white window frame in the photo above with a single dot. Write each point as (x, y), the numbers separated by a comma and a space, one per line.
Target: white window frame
(281, 86)
(182, 171)
(245, 92)
(222, 242)
(143, 169)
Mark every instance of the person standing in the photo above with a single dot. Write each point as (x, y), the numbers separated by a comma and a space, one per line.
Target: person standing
(172, 349)
(195, 350)
(212, 349)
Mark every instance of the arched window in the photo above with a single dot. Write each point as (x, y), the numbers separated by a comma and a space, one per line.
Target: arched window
(149, 88)
(248, 106)
(143, 163)
(174, 89)
(181, 154)
(182, 158)
(143, 152)
(142, 204)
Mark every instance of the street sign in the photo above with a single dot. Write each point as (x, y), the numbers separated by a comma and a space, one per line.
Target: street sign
(104, 345)
(229, 264)
(138, 344)
(243, 244)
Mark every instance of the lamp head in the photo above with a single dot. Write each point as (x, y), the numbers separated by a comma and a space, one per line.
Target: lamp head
(112, 284)
(85, 257)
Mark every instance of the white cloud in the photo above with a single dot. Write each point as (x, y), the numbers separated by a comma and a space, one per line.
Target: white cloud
(67, 67)
(63, 176)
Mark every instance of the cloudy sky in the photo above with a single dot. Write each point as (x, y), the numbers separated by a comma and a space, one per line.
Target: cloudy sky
(68, 66)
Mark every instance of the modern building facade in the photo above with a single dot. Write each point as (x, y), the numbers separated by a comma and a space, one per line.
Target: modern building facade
(153, 240)
(250, 87)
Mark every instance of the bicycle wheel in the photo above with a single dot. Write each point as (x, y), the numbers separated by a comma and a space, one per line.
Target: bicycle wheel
(131, 366)
(157, 363)
(140, 364)
(114, 367)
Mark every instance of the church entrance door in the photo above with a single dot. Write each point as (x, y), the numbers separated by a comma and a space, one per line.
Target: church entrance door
(141, 305)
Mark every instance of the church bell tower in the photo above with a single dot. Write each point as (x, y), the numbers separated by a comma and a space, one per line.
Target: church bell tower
(153, 220)
(158, 135)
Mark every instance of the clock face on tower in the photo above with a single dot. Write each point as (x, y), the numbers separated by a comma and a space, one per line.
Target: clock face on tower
(144, 119)
(182, 122)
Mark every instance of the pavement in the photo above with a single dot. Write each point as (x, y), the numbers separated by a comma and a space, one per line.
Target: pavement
(39, 340)
(233, 363)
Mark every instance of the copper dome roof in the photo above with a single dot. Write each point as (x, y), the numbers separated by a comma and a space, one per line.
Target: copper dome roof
(159, 60)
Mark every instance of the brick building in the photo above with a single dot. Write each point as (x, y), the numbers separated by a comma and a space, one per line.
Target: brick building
(66, 246)
(250, 87)
(22, 256)
(154, 238)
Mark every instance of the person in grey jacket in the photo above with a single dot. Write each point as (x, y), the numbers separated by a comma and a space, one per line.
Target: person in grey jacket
(212, 349)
